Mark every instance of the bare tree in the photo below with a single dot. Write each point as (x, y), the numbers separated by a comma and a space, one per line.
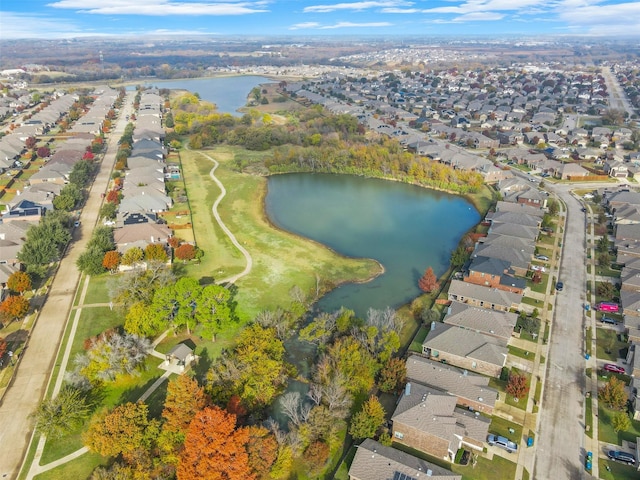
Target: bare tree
(337, 396)
(384, 320)
(315, 393)
(271, 425)
(290, 403)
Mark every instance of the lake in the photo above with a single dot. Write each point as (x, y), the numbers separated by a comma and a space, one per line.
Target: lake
(404, 227)
(228, 93)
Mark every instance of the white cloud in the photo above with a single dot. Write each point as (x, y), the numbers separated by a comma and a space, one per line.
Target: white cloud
(488, 6)
(305, 25)
(16, 25)
(356, 25)
(356, 6)
(160, 7)
(479, 16)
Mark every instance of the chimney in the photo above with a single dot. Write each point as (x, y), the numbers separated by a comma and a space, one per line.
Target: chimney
(407, 389)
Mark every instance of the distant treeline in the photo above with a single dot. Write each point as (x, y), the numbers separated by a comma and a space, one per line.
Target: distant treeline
(313, 141)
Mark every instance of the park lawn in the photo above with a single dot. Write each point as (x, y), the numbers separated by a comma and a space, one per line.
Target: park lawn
(281, 260)
(98, 290)
(80, 468)
(605, 429)
(608, 344)
(126, 388)
(93, 321)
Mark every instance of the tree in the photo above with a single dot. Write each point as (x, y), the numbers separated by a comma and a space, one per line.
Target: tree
(185, 398)
(113, 196)
(57, 416)
(132, 256)
(19, 282)
(459, 256)
(366, 422)
(613, 394)
(43, 152)
(3, 346)
(213, 310)
(553, 207)
(606, 289)
(30, 142)
(185, 252)
(14, 307)
(111, 260)
(428, 282)
(621, 422)
(121, 431)
(155, 251)
(141, 320)
(518, 385)
(90, 261)
(81, 173)
(108, 210)
(69, 197)
(262, 449)
(393, 375)
(316, 455)
(102, 239)
(214, 448)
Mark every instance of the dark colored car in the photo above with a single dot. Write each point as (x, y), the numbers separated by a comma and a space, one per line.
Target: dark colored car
(622, 457)
(559, 286)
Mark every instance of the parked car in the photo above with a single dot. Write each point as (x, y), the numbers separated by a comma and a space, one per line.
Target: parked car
(538, 268)
(502, 442)
(610, 367)
(559, 286)
(608, 320)
(542, 257)
(623, 457)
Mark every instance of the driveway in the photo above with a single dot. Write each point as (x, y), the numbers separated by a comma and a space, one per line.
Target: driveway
(32, 376)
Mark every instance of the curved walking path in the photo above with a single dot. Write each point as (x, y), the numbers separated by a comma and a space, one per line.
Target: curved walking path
(216, 215)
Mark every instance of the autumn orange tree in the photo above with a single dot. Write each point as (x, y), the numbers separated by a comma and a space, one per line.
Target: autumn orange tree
(13, 308)
(111, 260)
(19, 282)
(518, 385)
(428, 282)
(214, 448)
(185, 252)
(262, 449)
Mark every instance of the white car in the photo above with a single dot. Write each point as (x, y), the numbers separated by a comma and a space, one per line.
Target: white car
(538, 268)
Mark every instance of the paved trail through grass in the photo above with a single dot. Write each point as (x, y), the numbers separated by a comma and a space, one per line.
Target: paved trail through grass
(226, 230)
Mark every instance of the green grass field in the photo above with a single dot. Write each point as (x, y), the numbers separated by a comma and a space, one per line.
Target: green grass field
(281, 260)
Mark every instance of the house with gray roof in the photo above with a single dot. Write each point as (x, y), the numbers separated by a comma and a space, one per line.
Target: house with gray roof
(429, 421)
(571, 171)
(471, 391)
(528, 233)
(518, 258)
(619, 199)
(519, 208)
(374, 461)
(482, 320)
(630, 300)
(466, 349)
(628, 214)
(517, 218)
(494, 273)
(485, 297)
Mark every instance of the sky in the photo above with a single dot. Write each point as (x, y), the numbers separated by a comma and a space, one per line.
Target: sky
(81, 18)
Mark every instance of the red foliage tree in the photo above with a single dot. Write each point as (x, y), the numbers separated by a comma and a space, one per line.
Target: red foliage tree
(43, 152)
(87, 155)
(113, 196)
(316, 455)
(518, 385)
(14, 307)
(19, 282)
(235, 407)
(185, 252)
(3, 347)
(111, 260)
(174, 242)
(214, 448)
(428, 282)
(30, 142)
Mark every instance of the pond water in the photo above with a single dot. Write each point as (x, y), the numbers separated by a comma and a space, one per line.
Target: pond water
(228, 93)
(404, 227)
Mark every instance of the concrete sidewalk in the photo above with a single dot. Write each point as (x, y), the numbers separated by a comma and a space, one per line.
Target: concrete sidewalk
(33, 374)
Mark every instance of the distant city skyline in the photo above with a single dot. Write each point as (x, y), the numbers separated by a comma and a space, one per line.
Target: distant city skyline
(81, 18)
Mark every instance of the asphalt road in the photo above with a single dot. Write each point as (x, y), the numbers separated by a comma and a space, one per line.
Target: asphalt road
(560, 440)
(36, 365)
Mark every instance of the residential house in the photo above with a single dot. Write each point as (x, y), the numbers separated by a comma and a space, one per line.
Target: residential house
(12, 237)
(482, 320)
(485, 297)
(466, 349)
(471, 391)
(429, 421)
(518, 258)
(528, 233)
(374, 461)
(25, 210)
(572, 171)
(140, 235)
(520, 208)
(494, 273)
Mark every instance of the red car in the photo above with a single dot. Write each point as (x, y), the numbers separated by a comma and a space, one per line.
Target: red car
(610, 367)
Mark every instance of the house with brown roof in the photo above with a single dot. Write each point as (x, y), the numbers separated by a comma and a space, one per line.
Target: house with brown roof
(140, 235)
(429, 421)
(374, 461)
(471, 391)
(465, 349)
